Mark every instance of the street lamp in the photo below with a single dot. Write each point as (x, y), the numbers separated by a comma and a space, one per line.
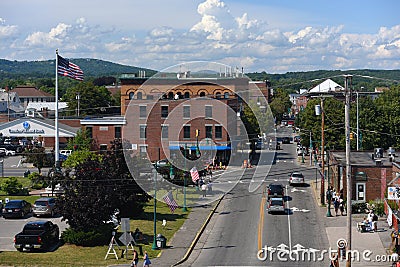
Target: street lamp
(154, 246)
(184, 208)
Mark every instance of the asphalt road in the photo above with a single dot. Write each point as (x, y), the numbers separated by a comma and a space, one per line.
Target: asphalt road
(13, 166)
(241, 225)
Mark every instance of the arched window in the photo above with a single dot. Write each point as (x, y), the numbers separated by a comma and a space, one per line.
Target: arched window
(226, 95)
(180, 96)
(131, 95)
(139, 95)
(218, 95)
(171, 95)
(187, 95)
(202, 94)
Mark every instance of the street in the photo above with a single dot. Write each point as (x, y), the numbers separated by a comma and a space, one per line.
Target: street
(241, 225)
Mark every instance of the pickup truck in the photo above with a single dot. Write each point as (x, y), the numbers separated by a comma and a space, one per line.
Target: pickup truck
(37, 235)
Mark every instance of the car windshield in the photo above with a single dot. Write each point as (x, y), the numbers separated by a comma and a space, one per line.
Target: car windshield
(275, 187)
(41, 203)
(276, 202)
(297, 175)
(14, 204)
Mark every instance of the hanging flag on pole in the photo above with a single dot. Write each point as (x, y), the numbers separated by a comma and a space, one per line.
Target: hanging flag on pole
(69, 69)
(195, 174)
(170, 201)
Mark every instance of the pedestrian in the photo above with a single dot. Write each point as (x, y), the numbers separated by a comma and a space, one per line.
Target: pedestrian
(135, 259)
(334, 260)
(341, 206)
(209, 187)
(146, 260)
(204, 190)
(336, 205)
(369, 217)
(375, 222)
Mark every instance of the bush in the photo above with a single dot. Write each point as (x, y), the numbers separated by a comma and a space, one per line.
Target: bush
(37, 180)
(359, 208)
(97, 237)
(14, 188)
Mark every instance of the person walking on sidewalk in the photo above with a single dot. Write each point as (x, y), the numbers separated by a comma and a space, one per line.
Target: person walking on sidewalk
(135, 259)
(334, 260)
(146, 260)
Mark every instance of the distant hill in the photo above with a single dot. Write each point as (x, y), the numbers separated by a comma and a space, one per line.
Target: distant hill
(46, 69)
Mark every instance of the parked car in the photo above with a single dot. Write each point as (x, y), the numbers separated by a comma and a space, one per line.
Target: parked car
(16, 148)
(286, 140)
(44, 206)
(17, 209)
(37, 235)
(276, 205)
(7, 152)
(276, 190)
(296, 178)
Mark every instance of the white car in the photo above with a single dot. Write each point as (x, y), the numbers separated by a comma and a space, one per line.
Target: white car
(8, 152)
(296, 178)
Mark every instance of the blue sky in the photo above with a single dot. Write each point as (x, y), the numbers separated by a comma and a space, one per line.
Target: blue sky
(259, 35)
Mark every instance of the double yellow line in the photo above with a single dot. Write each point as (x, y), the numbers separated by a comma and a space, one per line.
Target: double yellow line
(261, 220)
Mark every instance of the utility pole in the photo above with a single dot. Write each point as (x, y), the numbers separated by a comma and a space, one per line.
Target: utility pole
(322, 152)
(348, 79)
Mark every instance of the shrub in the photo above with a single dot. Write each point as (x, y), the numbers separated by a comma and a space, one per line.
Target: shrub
(98, 236)
(14, 188)
(359, 207)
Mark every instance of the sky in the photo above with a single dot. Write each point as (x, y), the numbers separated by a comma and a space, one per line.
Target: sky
(258, 35)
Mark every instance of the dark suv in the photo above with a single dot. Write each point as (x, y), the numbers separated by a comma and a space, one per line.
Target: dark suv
(276, 190)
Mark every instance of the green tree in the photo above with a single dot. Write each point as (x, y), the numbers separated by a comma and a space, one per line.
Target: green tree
(93, 99)
(280, 104)
(97, 188)
(81, 141)
(39, 158)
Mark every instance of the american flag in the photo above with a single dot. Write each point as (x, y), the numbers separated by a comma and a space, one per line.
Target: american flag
(170, 201)
(67, 68)
(195, 174)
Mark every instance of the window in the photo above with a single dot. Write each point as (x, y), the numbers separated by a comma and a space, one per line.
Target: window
(150, 97)
(218, 95)
(164, 111)
(103, 147)
(143, 151)
(208, 131)
(139, 95)
(186, 111)
(202, 94)
(208, 111)
(170, 95)
(164, 131)
(131, 95)
(186, 131)
(143, 134)
(226, 95)
(117, 133)
(89, 131)
(187, 95)
(142, 112)
(218, 131)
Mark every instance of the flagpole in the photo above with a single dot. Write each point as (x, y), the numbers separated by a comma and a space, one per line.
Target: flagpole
(56, 141)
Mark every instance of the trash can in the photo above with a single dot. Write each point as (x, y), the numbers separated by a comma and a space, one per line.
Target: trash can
(161, 241)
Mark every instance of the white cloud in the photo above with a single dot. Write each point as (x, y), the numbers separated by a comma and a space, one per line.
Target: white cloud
(217, 35)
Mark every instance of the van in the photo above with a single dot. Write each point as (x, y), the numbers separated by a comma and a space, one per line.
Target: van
(66, 152)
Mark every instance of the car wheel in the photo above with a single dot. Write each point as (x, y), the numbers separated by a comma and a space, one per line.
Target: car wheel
(20, 249)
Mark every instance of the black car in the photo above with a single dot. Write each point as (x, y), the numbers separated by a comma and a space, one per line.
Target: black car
(276, 190)
(16, 209)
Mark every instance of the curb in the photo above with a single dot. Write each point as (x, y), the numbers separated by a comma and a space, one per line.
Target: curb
(194, 242)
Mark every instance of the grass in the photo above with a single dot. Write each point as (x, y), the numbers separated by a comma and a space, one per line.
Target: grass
(71, 255)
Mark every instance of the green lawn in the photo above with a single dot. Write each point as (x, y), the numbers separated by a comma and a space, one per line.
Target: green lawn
(70, 255)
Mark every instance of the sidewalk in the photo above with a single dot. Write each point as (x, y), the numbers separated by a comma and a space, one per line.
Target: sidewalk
(181, 244)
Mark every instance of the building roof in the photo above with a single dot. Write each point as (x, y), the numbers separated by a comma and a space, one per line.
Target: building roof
(361, 158)
(30, 91)
(326, 86)
(48, 105)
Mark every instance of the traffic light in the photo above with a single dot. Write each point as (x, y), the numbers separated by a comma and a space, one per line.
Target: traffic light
(351, 136)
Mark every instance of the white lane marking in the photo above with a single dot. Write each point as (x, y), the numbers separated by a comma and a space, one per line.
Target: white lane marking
(297, 190)
(288, 215)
